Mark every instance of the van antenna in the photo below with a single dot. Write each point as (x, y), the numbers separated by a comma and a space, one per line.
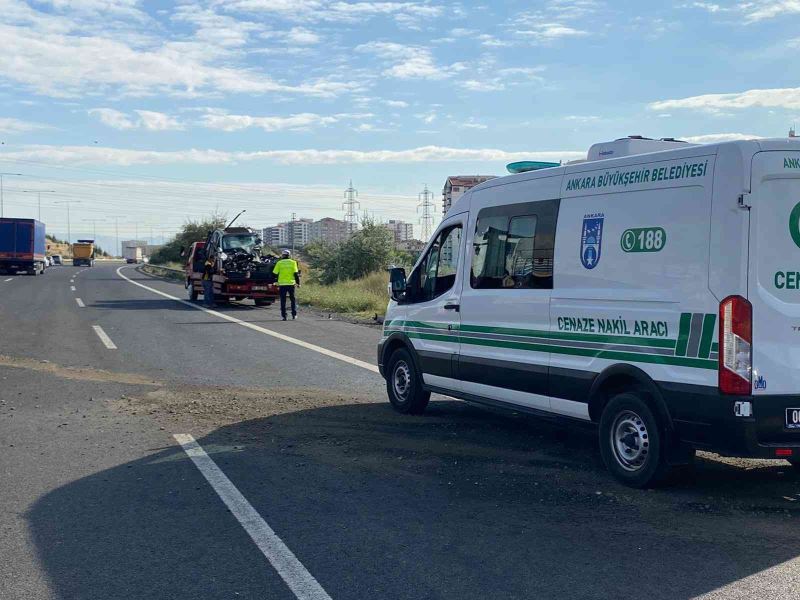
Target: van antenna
(236, 217)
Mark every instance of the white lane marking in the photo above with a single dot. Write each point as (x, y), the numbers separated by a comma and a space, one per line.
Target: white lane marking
(80, 303)
(104, 337)
(291, 570)
(777, 583)
(9, 279)
(343, 357)
(72, 288)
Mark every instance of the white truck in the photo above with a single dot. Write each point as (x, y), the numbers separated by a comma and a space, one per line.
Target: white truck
(133, 255)
(652, 289)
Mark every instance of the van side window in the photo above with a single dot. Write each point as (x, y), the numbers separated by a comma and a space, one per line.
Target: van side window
(437, 270)
(513, 246)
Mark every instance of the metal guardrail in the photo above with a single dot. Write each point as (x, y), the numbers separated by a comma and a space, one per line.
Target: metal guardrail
(165, 272)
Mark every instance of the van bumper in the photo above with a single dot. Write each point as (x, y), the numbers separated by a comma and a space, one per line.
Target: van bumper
(381, 345)
(706, 419)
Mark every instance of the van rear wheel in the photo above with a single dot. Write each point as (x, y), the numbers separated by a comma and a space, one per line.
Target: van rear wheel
(404, 385)
(632, 441)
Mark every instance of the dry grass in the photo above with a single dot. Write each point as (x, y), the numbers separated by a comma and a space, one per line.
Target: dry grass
(365, 296)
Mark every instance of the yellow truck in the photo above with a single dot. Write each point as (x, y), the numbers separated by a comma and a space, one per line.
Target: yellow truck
(83, 253)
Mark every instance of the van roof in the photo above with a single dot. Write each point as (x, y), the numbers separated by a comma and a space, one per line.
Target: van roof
(745, 147)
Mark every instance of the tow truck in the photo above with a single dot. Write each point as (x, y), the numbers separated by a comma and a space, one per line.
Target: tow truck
(240, 271)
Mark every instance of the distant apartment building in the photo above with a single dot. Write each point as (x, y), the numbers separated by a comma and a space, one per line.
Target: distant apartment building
(401, 230)
(300, 232)
(275, 236)
(456, 185)
(331, 231)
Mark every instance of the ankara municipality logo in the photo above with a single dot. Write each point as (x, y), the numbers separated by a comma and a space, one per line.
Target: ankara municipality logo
(591, 239)
(794, 224)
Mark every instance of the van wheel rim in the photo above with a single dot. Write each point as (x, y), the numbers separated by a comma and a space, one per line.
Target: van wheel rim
(402, 380)
(630, 441)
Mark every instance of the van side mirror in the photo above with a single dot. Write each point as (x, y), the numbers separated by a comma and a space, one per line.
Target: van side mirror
(397, 283)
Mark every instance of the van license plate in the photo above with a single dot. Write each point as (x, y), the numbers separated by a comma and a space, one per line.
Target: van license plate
(260, 288)
(793, 418)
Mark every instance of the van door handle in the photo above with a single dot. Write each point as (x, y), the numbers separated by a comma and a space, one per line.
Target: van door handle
(455, 307)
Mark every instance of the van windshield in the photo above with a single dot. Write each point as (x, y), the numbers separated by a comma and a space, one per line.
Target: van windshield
(245, 242)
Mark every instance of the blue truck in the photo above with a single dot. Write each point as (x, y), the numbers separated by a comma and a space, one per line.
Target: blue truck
(23, 246)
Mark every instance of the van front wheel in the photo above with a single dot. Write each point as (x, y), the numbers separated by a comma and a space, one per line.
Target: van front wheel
(404, 385)
(632, 441)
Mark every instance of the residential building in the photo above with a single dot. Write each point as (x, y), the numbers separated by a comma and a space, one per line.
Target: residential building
(275, 236)
(298, 232)
(331, 231)
(401, 230)
(456, 185)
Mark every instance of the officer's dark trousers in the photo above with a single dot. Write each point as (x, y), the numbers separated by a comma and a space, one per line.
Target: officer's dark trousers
(287, 290)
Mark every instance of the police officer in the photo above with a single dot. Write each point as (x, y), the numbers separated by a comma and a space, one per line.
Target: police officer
(288, 277)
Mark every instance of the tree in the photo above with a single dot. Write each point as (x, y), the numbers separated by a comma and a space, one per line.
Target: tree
(192, 231)
(368, 250)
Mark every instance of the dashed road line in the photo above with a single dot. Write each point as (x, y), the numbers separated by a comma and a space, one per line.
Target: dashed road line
(9, 279)
(343, 357)
(302, 583)
(80, 303)
(104, 337)
(72, 288)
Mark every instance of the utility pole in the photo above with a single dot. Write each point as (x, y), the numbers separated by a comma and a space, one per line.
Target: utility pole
(426, 220)
(116, 228)
(1, 190)
(94, 226)
(291, 230)
(350, 205)
(69, 230)
(39, 196)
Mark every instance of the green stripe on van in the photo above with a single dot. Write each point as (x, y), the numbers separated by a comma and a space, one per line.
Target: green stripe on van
(708, 335)
(591, 352)
(683, 334)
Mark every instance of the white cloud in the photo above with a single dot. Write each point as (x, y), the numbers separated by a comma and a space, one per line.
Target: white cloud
(752, 11)
(408, 14)
(150, 120)
(396, 103)
(582, 118)
(157, 121)
(471, 124)
(301, 121)
(113, 118)
(548, 32)
(95, 155)
(39, 55)
(302, 36)
(409, 62)
(11, 126)
(788, 98)
(713, 138)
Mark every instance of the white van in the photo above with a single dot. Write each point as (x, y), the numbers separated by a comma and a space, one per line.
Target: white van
(655, 293)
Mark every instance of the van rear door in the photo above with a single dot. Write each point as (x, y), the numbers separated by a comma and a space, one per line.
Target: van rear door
(774, 273)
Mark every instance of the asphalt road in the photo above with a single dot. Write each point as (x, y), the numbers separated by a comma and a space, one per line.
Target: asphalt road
(339, 496)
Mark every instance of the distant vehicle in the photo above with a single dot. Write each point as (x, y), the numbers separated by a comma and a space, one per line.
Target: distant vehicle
(83, 253)
(240, 271)
(48, 261)
(682, 334)
(56, 260)
(133, 255)
(22, 246)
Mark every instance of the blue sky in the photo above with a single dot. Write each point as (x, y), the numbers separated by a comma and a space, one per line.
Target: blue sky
(154, 112)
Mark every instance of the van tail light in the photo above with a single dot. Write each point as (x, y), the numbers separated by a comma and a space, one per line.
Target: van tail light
(735, 346)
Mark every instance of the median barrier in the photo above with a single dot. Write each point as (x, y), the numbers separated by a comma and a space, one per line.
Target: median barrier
(164, 272)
